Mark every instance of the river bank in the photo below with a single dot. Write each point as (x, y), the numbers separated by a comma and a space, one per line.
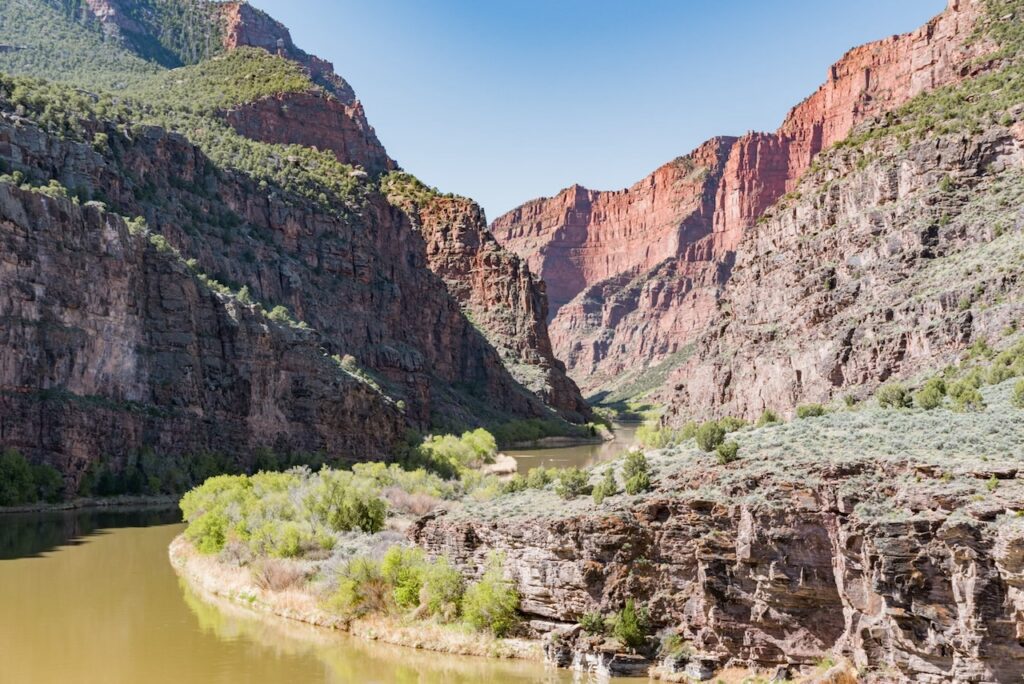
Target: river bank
(83, 503)
(218, 581)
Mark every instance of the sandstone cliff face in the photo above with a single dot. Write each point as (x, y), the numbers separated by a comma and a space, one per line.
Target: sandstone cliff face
(580, 252)
(313, 120)
(111, 346)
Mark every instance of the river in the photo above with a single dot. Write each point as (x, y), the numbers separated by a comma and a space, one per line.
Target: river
(580, 455)
(90, 597)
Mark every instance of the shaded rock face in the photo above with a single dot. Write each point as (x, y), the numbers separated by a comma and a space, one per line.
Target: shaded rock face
(931, 598)
(501, 296)
(361, 279)
(885, 268)
(580, 241)
(110, 346)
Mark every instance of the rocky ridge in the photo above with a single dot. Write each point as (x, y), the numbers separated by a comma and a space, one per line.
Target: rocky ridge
(866, 534)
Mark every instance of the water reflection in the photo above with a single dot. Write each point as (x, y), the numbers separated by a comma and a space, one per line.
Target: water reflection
(24, 535)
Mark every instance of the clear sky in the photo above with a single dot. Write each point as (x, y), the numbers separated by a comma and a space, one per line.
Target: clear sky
(504, 101)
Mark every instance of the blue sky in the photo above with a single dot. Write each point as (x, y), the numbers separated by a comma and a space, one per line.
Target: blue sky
(506, 101)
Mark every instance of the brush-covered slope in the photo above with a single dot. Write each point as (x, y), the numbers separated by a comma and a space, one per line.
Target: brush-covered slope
(900, 247)
(259, 171)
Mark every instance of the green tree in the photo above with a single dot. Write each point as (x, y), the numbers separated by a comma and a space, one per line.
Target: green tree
(491, 604)
(630, 625)
(16, 484)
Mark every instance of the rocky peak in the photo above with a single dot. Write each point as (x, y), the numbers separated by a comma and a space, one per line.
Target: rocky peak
(246, 25)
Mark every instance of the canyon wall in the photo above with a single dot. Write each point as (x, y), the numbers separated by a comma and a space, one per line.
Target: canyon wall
(614, 312)
(371, 298)
(891, 262)
(111, 346)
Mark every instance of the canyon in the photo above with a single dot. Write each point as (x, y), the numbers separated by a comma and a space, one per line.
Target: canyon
(634, 275)
(389, 296)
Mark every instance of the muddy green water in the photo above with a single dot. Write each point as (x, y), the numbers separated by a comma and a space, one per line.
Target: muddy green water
(91, 597)
(581, 455)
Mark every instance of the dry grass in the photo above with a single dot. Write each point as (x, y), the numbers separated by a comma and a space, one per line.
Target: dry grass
(273, 574)
(416, 503)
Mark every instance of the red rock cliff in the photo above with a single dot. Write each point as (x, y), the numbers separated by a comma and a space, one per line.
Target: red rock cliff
(602, 254)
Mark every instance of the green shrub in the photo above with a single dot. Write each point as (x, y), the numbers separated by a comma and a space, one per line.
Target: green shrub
(636, 473)
(849, 400)
(450, 454)
(443, 587)
(998, 374)
(345, 503)
(592, 623)
(49, 483)
(491, 604)
(931, 394)
(1018, 394)
(893, 395)
(732, 424)
(651, 435)
(280, 538)
(630, 625)
(361, 590)
(21, 483)
(540, 477)
(572, 482)
(727, 452)
(516, 483)
(710, 435)
(768, 417)
(403, 568)
(16, 484)
(607, 486)
(968, 399)
(810, 411)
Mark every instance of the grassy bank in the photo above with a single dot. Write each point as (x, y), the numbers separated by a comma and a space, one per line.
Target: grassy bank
(290, 592)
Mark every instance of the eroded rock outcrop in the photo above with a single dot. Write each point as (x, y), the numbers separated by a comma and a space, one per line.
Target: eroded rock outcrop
(500, 294)
(923, 595)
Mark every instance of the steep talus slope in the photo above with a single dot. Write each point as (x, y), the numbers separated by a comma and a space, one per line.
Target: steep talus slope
(601, 346)
(218, 159)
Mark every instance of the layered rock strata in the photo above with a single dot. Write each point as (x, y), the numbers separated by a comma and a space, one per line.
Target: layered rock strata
(603, 254)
